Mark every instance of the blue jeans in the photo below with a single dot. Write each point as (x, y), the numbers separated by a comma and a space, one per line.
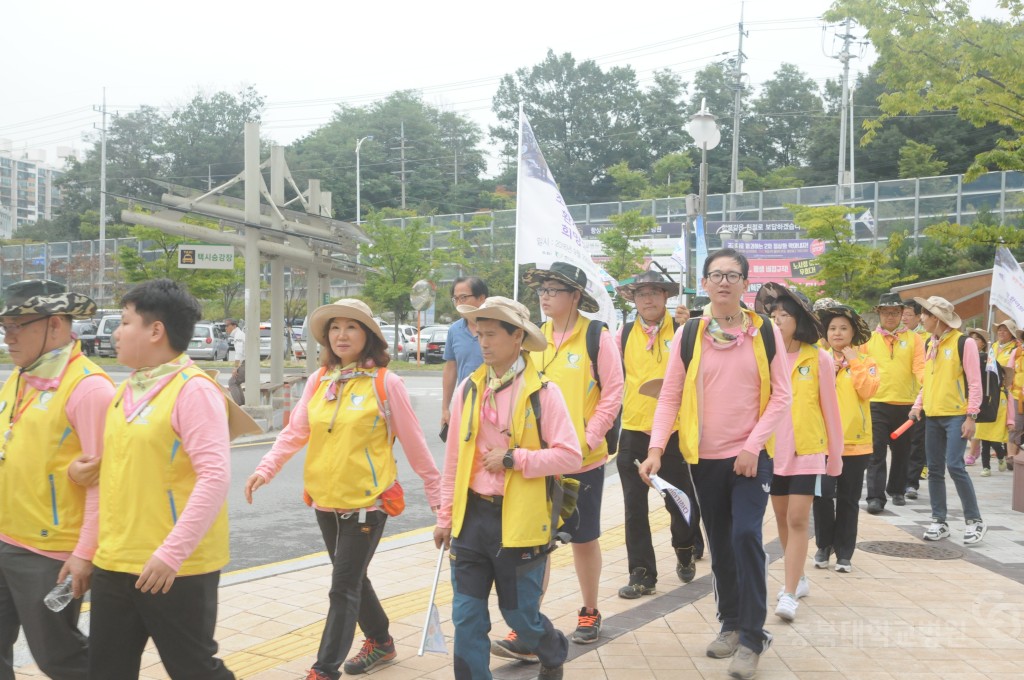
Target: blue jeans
(944, 448)
(479, 561)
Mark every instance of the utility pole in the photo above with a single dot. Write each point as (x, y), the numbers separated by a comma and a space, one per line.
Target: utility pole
(103, 201)
(844, 57)
(738, 86)
(401, 173)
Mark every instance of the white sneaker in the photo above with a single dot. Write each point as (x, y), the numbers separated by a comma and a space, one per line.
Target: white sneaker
(974, 532)
(803, 589)
(786, 609)
(937, 531)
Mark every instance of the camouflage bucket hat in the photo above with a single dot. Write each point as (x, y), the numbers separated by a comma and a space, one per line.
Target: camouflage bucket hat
(39, 296)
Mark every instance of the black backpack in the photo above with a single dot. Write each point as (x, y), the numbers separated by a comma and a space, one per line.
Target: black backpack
(991, 383)
(690, 339)
(593, 345)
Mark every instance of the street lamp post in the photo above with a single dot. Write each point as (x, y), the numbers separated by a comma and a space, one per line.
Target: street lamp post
(705, 133)
(359, 214)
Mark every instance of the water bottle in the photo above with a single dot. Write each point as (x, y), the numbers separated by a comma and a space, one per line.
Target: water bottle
(60, 596)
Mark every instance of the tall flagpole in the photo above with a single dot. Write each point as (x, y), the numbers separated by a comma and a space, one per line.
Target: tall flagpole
(515, 258)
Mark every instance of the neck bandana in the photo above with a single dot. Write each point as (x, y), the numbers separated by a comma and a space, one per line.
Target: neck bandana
(145, 383)
(339, 375)
(651, 331)
(46, 372)
(495, 384)
(722, 337)
(891, 334)
(933, 349)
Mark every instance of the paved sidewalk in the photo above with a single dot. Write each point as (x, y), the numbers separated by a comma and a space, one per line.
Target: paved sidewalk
(893, 617)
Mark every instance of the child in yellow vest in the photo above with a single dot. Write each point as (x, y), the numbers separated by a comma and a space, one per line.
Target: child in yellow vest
(809, 444)
(163, 512)
(995, 435)
(836, 510)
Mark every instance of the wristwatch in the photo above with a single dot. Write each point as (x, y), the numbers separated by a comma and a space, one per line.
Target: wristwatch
(972, 416)
(508, 460)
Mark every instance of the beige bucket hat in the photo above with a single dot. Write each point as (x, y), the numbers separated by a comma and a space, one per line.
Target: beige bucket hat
(347, 308)
(942, 309)
(515, 313)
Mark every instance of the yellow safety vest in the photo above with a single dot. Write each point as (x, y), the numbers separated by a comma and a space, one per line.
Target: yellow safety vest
(526, 508)
(808, 422)
(146, 482)
(350, 464)
(690, 409)
(642, 365)
(945, 385)
(898, 383)
(570, 368)
(854, 411)
(39, 505)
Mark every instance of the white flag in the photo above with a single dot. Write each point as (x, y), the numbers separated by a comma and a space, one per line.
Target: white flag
(682, 501)
(545, 231)
(434, 639)
(1008, 285)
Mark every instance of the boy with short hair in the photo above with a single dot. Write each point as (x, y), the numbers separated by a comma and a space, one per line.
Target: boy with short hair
(163, 517)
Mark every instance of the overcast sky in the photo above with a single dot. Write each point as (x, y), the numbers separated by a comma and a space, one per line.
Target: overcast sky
(306, 57)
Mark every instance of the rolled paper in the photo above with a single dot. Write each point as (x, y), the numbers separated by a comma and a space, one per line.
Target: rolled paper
(901, 429)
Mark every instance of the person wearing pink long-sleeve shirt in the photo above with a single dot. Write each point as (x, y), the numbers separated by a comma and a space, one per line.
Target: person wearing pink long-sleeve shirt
(808, 443)
(951, 415)
(593, 392)
(349, 414)
(725, 429)
(511, 434)
(163, 526)
(51, 413)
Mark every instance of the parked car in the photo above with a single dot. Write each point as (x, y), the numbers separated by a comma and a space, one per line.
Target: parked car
(104, 332)
(208, 343)
(85, 331)
(3, 341)
(266, 335)
(432, 342)
(403, 345)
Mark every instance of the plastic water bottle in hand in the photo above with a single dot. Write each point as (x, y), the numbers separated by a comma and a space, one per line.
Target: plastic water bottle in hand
(58, 598)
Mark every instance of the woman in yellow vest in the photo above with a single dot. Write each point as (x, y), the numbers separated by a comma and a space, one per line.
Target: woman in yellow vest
(809, 444)
(995, 435)
(349, 415)
(980, 337)
(1016, 403)
(857, 379)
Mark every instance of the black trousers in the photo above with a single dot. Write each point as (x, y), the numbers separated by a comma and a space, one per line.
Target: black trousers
(917, 462)
(885, 418)
(986, 452)
(181, 623)
(351, 545)
(837, 509)
(633, 446)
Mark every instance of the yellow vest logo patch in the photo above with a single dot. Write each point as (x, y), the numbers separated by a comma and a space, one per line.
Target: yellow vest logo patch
(573, 360)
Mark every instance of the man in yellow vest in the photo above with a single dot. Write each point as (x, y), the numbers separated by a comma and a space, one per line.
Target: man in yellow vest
(163, 514)
(511, 433)
(51, 413)
(899, 354)
(581, 357)
(644, 344)
(951, 398)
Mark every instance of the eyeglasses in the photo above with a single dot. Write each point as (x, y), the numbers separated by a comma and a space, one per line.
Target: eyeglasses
(9, 328)
(552, 292)
(461, 299)
(731, 277)
(647, 293)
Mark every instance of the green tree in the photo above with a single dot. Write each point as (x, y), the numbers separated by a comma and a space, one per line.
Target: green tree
(631, 183)
(787, 106)
(852, 272)
(918, 160)
(625, 257)
(934, 56)
(396, 259)
(786, 177)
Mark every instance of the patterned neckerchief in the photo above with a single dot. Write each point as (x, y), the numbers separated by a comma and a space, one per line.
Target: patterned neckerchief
(495, 384)
(46, 372)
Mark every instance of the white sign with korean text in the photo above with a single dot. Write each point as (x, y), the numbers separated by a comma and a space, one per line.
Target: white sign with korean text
(193, 256)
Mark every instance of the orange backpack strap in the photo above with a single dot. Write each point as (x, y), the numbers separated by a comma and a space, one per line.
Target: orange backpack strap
(381, 390)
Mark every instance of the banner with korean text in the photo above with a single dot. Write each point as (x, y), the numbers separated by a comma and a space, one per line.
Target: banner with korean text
(545, 231)
(1008, 286)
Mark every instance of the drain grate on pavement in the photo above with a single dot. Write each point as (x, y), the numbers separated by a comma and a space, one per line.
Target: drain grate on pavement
(918, 551)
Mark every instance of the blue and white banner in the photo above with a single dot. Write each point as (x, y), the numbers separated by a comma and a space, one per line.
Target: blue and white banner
(701, 246)
(678, 496)
(1008, 286)
(545, 231)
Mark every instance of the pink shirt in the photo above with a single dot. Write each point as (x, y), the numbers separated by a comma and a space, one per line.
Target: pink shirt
(563, 454)
(787, 463)
(207, 443)
(729, 396)
(609, 367)
(403, 423)
(86, 410)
